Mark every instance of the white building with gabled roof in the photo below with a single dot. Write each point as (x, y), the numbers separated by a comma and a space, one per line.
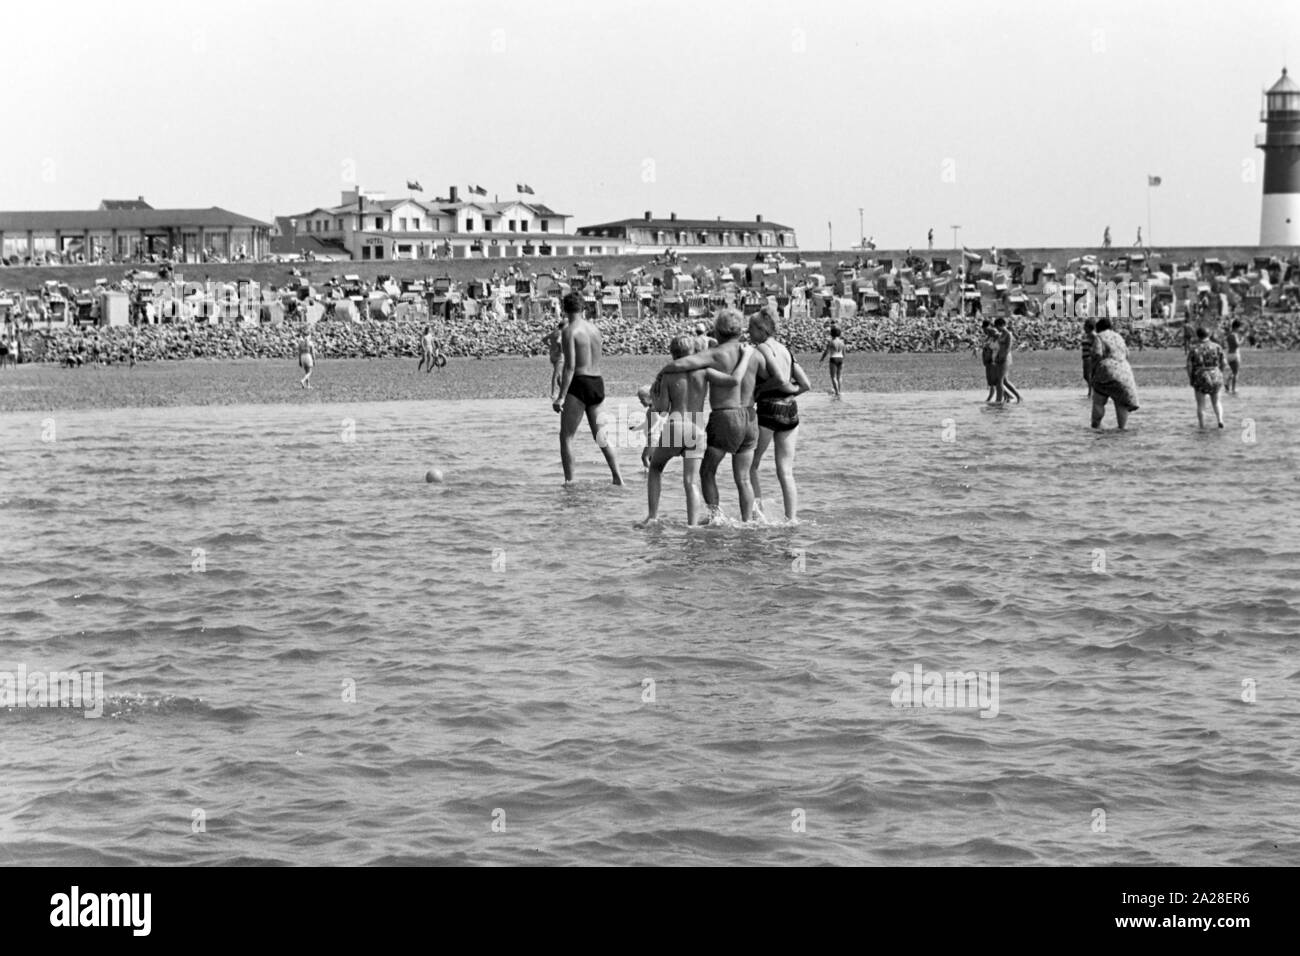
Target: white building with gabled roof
(369, 227)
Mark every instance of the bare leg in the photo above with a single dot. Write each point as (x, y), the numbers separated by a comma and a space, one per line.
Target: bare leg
(740, 463)
(785, 447)
(654, 483)
(1200, 410)
(1098, 408)
(1218, 406)
(1121, 415)
(595, 420)
(691, 480)
(569, 419)
(709, 476)
(764, 439)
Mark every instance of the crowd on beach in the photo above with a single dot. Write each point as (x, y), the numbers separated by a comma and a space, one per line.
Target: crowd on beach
(522, 334)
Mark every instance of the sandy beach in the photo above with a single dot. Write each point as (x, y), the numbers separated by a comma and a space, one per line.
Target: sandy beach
(263, 381)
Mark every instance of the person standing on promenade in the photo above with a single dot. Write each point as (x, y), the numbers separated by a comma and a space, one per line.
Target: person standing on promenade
(582, 390)
(1112, 376)
(1205, 367)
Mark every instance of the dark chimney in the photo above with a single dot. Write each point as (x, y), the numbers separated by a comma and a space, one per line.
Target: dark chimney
(141, 198)
(647, 215)
(453, 195)
(758, 218)
(672, 216)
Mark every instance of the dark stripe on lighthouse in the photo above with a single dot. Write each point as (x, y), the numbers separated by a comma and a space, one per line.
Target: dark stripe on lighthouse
(1281, 170)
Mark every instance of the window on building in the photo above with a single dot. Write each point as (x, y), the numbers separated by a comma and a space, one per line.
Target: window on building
(512, 225)
(379, 222)
(487, 225)
(546, 225)
(469, 223)
(416, 224)
(402, 224)
(339, 227)
(365, 252)
(523, 225)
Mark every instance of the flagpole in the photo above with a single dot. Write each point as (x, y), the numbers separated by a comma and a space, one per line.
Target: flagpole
(1149, 239)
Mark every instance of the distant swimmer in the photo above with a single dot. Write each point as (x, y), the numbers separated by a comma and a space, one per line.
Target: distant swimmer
(306, 356)
(834, 350)
(582, 390)
(732, 427)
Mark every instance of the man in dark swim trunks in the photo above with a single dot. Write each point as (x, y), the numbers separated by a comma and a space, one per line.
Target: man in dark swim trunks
(733, 423)
(582, 390)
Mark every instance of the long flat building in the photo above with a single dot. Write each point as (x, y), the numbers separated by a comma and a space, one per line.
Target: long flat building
(127, 231)
(651, 235)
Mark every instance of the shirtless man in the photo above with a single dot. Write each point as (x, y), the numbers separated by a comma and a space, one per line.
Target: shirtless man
(733, 422)
(683, 432)
(426, 350)
(582, 390)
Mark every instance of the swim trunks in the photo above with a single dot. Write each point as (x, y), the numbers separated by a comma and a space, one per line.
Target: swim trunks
(836, 361)
(778, 415)
(731, 430)
(682, 435)
(588, 389)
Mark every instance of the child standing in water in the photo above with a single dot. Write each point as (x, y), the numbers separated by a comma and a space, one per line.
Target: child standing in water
(1089, 338)
(835, 351)
(643, 395)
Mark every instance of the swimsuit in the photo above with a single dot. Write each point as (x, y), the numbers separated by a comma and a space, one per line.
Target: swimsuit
(682, 435)
(588, 389)
(731, 430)
(775, 413)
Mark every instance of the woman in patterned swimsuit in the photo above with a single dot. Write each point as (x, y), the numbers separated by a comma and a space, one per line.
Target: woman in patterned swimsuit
(1112, 376)
(1205, 367)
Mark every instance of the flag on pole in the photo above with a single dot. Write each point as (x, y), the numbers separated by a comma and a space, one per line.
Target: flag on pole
(529, 189)
(414, 185)
(478, 190)
(1153, 180)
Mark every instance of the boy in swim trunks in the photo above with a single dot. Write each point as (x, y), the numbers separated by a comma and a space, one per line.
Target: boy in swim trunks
(733, 423)
(582, 390)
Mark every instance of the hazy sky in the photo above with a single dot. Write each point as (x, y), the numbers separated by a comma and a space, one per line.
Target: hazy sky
(1028, 124)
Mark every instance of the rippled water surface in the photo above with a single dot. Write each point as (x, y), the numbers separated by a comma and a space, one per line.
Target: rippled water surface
(501, 632)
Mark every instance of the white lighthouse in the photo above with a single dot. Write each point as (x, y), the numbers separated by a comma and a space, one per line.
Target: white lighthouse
(1279, 221)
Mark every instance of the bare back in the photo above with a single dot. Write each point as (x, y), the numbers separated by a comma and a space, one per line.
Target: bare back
(584, 337)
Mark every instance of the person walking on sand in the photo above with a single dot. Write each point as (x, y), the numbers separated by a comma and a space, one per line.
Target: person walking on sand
(306, 357)
(834, 351)
(1205, 367)
(1234, 356)
(1006, 343)
(582, 390)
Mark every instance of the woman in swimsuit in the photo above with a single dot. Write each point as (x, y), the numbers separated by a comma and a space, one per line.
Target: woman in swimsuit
(778, 414)
(1234, 356)
(1205, 366)
(1112, 376)
(835, 350)
(305, 358)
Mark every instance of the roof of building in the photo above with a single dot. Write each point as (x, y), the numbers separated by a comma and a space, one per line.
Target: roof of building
(731, 225)
(76, 220)
(284, 241)
(114, 204)
(444, 206)
(1284, 84)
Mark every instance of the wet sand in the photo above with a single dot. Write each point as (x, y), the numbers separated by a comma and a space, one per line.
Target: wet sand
(262, 381)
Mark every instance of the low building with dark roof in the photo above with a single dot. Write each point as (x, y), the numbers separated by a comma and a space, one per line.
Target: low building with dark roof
(652, 235)
(130, 230)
